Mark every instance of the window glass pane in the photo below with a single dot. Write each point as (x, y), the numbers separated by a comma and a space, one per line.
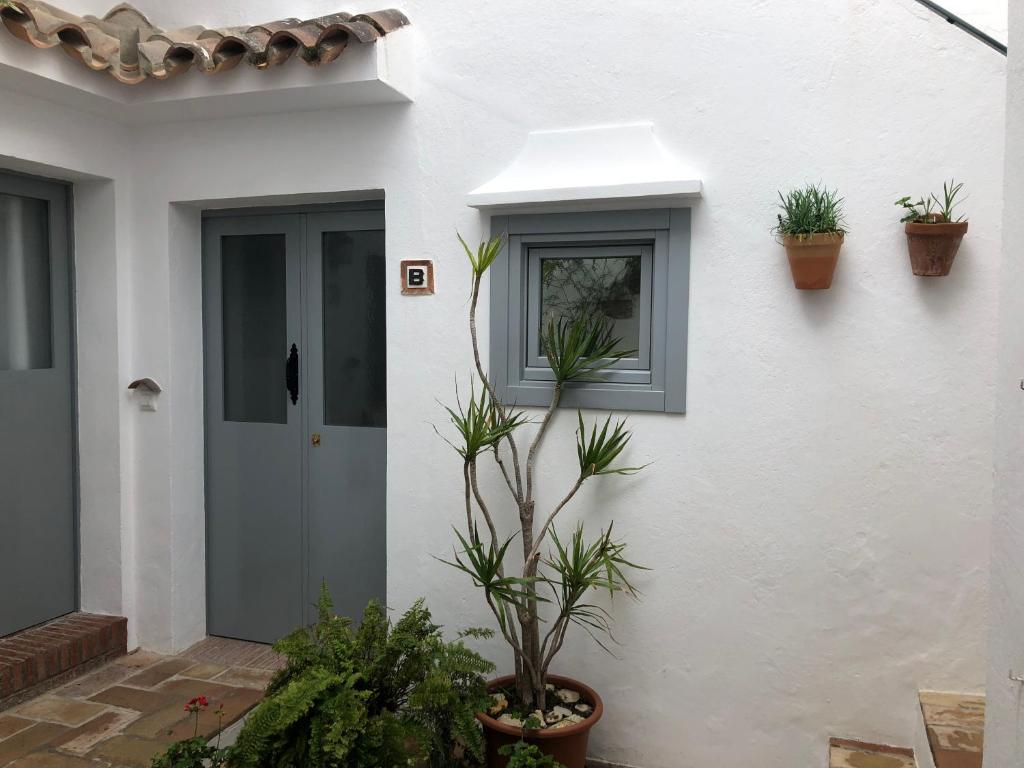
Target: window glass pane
(593, 287)
(25, 322)
(355, 371)
(255, 328)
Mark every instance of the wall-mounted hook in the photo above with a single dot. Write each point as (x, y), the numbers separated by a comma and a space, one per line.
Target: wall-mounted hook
(146, 391)
(1016, 678)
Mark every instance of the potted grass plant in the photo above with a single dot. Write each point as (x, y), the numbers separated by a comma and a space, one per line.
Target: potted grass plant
(538, 598)
(811, 227)
(933, 234)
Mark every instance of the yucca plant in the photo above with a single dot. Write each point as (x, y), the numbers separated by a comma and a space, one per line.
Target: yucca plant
(536, 599)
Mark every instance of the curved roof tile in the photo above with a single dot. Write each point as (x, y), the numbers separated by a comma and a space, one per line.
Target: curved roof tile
(131, 48)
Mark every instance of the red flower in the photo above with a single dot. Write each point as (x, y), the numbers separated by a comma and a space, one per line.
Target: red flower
(196, 704)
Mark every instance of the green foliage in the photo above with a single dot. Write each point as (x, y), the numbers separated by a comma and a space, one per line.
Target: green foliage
(379, 696)
(578, 348)
(811, 210)
(581, 567)
(480, 424)
(485, 566)
(597, 452)
(523, 755)
(485, 254)
(931, 210)
(191, 753)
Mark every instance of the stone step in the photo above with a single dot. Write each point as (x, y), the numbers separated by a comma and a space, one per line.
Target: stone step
(847, 753)
(955, 723)
(43, 657)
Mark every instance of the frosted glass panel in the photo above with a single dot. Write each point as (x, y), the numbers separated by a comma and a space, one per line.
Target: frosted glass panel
(255, 328)
(355, 373)
(25, 321)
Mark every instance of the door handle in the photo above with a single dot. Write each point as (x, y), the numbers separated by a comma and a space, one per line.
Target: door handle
(291, 374)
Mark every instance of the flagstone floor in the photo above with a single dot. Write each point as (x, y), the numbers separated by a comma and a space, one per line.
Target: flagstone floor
(126, 712)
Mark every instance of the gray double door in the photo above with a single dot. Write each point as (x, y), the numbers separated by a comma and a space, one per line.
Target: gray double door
(296, 417)
(38, 558)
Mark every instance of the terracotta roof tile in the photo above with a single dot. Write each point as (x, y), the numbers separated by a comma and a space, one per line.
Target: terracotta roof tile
(131, 48)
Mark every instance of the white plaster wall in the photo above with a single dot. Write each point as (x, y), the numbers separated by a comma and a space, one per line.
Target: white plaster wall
(1004, 721)
(818, 522)
(989, 16)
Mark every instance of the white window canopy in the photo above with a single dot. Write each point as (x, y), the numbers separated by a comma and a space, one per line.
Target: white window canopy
(581, 169)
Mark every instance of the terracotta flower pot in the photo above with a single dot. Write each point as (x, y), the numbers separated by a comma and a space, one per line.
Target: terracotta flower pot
(813, 258)
(934, 246)
(567, 745)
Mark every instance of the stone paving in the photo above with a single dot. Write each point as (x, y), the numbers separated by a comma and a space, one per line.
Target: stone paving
(129, 710)
(956, 728)
(853, 754)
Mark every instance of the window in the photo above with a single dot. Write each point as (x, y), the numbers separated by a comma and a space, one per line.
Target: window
(25, 316)
(630, 267)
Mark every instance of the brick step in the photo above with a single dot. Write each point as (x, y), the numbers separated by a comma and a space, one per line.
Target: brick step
(846, 753)
(42, 657)
(955, 723)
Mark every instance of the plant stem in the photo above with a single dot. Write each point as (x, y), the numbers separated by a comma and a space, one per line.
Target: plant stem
(474, 299)
(483, 508)
(535, 552)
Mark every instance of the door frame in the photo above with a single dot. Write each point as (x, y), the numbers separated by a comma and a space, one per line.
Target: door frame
(68, 192)
(371, 204)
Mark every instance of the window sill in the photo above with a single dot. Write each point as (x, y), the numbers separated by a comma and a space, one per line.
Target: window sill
(618, 397)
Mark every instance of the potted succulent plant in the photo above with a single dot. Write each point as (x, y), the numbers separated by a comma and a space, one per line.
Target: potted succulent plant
(812, 230)
(535, 600)
(933, 235)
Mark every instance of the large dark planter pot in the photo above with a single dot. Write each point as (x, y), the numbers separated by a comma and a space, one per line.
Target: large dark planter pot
(813, 259)
(567, 745)
(934, 246)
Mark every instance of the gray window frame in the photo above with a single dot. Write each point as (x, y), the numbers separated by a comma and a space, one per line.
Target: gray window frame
(632, 387)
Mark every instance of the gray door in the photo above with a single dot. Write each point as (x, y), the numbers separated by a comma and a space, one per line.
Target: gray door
(347, 407)
(295, 417)
(38, 561)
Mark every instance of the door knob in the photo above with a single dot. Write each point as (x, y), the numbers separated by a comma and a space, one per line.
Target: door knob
(316, 440)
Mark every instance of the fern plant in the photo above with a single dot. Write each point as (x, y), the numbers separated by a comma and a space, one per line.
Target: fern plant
(375, 697)
(518, 594)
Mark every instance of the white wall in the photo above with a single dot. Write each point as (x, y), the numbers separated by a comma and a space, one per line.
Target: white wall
(987, 15)
(819, 521)
(1004, 722)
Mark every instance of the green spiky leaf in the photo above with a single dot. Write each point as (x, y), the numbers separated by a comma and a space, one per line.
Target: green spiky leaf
(581, 567)
(483, 257)
(810, 210)
(597, 451)
(579, 348)
(480, 424)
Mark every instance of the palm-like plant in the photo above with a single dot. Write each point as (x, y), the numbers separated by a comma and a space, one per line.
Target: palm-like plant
(577, 349)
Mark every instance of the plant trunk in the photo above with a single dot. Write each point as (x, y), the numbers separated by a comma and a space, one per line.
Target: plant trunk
(524, 681)
(531, 682)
